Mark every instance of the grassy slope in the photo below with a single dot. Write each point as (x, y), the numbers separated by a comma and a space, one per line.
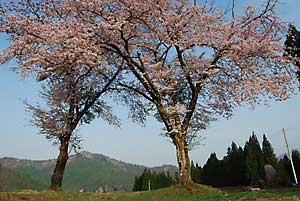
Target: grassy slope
(168, 194)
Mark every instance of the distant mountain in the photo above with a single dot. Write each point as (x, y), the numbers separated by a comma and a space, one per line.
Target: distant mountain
(87, 171)
(11, 180)
(165, 168)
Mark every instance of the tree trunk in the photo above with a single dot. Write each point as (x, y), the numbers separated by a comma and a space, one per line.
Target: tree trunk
(57, 177)
(183, 160)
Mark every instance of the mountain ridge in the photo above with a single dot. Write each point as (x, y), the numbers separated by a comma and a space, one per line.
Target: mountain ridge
(84, 170)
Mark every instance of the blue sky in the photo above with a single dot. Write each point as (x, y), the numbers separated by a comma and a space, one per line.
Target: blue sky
(144, 145)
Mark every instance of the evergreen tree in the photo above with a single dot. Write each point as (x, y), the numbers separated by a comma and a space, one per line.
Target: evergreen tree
(287, 175)
(234, 166)
(213, 172)
(146, 176)
(242, 156)
(137, 183)
(292, 44)
(296, 161)
(268, 153)
(254, 160)
(196, 172)
(284, 171)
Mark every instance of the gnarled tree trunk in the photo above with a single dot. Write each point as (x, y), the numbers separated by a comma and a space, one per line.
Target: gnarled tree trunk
(183, 160)
(57, 177)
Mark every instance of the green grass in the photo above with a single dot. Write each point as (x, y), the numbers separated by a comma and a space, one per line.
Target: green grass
(174, 193)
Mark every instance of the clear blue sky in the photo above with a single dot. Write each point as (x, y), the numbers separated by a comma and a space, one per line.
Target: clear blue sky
(144, 145)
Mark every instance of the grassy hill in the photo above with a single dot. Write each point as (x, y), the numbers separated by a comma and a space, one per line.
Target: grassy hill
(87, 171)
(174, 193)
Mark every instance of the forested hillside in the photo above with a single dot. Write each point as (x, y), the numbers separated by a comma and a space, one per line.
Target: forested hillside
(85, 171)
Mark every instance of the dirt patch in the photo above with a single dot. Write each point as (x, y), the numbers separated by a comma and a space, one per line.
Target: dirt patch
(293, 198)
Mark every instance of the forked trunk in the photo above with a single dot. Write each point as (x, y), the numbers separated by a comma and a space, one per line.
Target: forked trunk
(183, 160)
(57, 177)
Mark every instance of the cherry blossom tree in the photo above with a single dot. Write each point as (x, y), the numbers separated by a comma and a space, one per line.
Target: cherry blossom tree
(70, 102)
(75, 79)
(191, 63)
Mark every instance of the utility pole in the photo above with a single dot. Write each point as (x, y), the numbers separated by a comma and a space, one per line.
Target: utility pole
(149, 185)
(290, 156)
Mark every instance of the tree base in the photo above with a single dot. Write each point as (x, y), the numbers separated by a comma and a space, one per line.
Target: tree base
(56, 189)
(198, 188)
(189, 186)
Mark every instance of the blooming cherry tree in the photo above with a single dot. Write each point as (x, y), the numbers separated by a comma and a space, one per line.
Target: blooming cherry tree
(49, 45)
(191, 63)
(71, 101)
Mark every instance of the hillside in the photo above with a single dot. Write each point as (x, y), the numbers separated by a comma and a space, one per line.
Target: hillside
(87, 171)
(11, 180)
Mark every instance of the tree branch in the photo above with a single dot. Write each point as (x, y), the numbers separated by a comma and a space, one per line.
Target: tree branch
(137, 91)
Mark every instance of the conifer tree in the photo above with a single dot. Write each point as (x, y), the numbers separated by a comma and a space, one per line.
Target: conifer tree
(296, 161)
(145, 179)
(198, 174)
(212, 173)
(282, 178)
(254, 160)
(234, 166)
(292, 44)
(137, 183)
(287, 169)
(268, 153)
(243, 166)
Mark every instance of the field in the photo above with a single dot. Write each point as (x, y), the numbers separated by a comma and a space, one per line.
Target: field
(174, 193)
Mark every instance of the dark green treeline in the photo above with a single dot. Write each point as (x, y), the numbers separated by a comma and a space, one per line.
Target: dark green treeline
(245, 166)
(239, 167)
(152, 180)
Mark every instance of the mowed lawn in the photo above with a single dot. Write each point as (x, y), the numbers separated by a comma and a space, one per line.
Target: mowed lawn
(174, 193)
